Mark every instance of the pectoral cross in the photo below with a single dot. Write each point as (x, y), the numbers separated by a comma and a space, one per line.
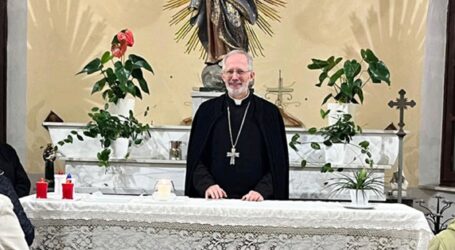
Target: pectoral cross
(232, 155)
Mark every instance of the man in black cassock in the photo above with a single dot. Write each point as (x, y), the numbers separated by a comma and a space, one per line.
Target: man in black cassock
(11, 167)
(237, 146)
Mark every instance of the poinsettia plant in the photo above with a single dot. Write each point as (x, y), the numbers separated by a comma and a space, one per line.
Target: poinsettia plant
(125, 77)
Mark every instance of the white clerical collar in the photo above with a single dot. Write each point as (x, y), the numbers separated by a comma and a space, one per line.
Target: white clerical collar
(239, 101)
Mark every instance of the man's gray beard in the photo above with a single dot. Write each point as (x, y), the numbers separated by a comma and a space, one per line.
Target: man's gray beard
(234, 93)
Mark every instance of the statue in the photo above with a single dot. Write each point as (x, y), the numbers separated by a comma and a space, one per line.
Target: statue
(394, 184)
(49, 156)
(222, 26)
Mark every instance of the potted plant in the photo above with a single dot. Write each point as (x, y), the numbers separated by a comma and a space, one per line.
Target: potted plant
(125, 77)
(359, 185)
(347, 81)
(335, 136)
(111, 130)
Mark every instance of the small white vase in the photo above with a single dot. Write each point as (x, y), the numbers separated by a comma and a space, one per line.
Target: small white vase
(359, 197)
(120, 148)
(339, 109)
(122, 108)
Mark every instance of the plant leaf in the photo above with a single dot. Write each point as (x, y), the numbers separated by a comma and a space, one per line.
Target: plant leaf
(379, 71)
(327, 168)
(312, 130)
(324, 113)
(315, 146)
(303, 163)
(364, 144)
(92, 67)
(317, 64)
(368, 56)
(106, 57)
(120, 73)
(335, 77)
(137, 74)
(99, 85)
(326, 98)
(351, 69)
(322, 77)
(140, 62)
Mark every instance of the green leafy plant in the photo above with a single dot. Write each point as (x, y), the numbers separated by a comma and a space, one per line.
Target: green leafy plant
(340, 132)
(348, 80)
(126, 77)
(109, 128)
(362, 179)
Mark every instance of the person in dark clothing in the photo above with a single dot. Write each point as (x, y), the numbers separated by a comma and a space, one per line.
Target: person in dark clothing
(13, 170)
(7, 189)
(237, 146)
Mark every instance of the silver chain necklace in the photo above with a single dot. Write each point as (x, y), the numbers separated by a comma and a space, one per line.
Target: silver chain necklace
(233, 153)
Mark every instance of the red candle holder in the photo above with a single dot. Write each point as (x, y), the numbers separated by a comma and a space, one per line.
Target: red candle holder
(67, 190)
(41, 189)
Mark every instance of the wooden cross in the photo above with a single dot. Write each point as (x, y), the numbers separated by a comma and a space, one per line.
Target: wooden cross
(402, 103)
(232, 155)
(280, 91)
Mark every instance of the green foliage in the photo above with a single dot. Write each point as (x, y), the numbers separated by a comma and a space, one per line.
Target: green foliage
(362, 179)
(108, 128)
(346, 80)
(125, 78)
(340, 132)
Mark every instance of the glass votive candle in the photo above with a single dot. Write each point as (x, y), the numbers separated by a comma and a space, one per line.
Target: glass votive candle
(164, 188)
(41, 189)
(67, 190)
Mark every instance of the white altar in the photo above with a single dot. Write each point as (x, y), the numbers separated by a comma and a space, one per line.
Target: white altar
(139, 222)
(150, 162)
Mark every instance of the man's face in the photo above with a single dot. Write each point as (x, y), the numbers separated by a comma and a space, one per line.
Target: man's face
(236, 76)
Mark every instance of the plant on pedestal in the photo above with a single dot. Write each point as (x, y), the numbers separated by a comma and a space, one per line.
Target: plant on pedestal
(347, 84)
(340, 133)
(109, 129)
(126, 77)
(348, 81)
(116, 83)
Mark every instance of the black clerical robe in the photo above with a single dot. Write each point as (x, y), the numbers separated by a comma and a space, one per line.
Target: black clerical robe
(206, 144)
(13, 170)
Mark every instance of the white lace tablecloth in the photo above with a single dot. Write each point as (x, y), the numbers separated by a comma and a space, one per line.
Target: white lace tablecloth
(123, 222)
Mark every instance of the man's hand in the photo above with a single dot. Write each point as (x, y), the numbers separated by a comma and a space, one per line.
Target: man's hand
(252, 196)
(215, 192)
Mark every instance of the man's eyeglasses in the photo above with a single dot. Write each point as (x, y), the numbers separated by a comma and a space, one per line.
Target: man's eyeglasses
(239, 72)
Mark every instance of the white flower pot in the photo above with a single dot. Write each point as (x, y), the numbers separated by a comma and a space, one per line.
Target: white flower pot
(122, 108)
(120, 148)
(359, 197)
(339, 109)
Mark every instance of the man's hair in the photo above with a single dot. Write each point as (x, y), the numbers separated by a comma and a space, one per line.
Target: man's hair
(238, 51)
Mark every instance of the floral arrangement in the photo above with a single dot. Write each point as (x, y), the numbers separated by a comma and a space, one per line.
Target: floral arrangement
(125, 77)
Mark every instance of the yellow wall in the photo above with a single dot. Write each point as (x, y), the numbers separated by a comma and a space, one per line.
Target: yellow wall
(64, 35)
